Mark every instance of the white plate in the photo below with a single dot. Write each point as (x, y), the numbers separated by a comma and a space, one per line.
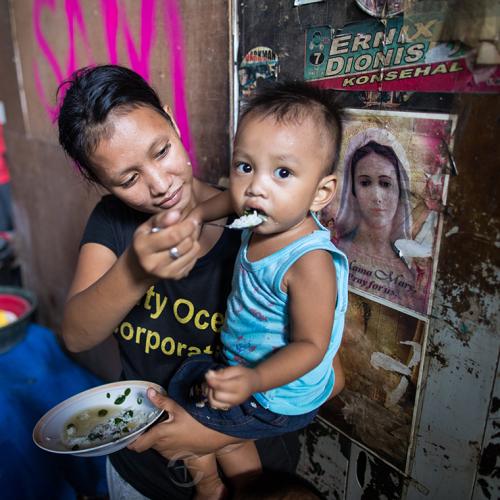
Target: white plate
(48, 431)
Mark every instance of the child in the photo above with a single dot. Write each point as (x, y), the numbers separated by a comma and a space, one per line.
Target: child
(286, 310)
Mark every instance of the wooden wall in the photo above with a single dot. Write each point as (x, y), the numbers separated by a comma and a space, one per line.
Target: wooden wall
(181, 47)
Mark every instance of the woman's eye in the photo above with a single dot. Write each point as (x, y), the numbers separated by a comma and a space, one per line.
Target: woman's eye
(385, 184)
(163, 151)
(129, 182)
(243, 167)
(282, 173)
(364, 182)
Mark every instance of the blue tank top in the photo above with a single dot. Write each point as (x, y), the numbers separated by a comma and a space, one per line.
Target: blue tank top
(257, 320)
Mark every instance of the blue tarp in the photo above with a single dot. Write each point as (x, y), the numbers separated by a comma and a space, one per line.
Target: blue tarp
(35, 375)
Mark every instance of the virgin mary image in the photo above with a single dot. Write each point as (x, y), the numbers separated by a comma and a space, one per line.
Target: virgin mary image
(374, 214)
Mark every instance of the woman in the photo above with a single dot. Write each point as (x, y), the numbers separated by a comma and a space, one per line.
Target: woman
(142, 273)
(374, 213)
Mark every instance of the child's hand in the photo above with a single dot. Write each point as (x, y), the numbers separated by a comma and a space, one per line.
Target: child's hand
(195, 216)
(231, 386)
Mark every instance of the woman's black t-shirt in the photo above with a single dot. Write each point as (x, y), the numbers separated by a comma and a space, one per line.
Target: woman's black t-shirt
(174, 320)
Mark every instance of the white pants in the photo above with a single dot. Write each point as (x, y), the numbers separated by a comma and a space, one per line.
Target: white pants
(118, 488)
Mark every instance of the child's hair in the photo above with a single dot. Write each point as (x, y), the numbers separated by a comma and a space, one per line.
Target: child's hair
(89, 96)
(293, 101)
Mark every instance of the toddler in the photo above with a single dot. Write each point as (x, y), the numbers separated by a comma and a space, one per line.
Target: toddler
(285, 313)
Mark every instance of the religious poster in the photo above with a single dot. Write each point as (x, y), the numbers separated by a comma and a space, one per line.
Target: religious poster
(392, 175)
(398, 54)
(380, 353)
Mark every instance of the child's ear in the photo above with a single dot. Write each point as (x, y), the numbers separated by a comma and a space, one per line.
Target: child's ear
(325, 192)
(167, 110)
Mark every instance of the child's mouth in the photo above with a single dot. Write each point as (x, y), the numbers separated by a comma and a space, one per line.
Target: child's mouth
(250, 218)
(257, 211)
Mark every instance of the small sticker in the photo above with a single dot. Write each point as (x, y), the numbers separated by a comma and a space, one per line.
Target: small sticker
(298, 3)
(260, 63)
(381, 8)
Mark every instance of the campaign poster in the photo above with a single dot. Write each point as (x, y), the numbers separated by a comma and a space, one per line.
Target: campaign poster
(396, 54)
(381, 355)
(392, 176)
(260, 63)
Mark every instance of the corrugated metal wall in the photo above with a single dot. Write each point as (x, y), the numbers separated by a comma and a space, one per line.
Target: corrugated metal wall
(452, 451)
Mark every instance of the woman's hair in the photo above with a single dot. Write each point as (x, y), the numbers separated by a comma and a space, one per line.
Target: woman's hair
(348, 215)
(88, 98)
(292, 101)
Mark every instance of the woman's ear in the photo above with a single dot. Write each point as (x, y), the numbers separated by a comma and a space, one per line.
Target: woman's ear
(325, 193)
(167, 110)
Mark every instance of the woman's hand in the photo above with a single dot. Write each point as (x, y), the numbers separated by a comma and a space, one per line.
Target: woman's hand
(166, 247)
(180, 436)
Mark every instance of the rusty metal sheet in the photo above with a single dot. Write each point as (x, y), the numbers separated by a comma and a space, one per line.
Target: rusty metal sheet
(463, 341)
(488, 475)
(487, 485)
(324, 459)
(341, 469)
(453, 397)
(371, 478)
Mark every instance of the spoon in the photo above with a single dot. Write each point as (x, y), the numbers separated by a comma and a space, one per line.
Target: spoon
(245, 221)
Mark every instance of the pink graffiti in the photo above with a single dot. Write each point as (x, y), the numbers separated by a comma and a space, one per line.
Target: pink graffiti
(115, 17)
(176, 46)
(141, 63)
(110, 11)
(73, 11)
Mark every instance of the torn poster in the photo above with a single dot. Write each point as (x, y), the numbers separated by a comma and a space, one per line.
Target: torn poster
(381, 355)
(260, 63)
(386, 217)
(381, 8)
(393, 55)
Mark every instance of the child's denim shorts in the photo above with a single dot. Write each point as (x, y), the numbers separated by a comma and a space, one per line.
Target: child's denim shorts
(249, 420)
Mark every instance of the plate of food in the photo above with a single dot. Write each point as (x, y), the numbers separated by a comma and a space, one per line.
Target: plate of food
(98, 421)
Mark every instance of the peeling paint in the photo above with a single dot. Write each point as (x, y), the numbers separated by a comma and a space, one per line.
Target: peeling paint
(495, 405)
(381, 360)
(324, 459)
(452, 231)
(422, 245)
(382, 483)
(434, 351)
(394, 396)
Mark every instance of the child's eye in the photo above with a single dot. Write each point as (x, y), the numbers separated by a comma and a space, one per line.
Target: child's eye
(243, 167)
(163, 151)
(129, 182)
(282, 173)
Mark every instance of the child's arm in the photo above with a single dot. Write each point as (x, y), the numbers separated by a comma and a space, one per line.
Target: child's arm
(312, 290)
(214, 208)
